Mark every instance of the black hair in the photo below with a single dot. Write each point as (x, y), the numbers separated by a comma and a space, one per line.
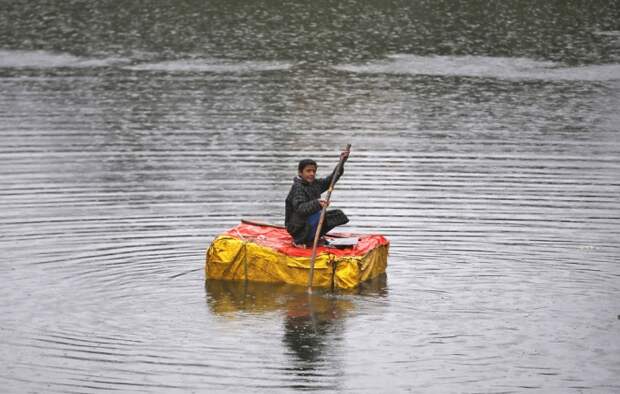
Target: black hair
(304, 163)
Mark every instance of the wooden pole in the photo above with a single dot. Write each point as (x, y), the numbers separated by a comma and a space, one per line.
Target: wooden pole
(319, 227)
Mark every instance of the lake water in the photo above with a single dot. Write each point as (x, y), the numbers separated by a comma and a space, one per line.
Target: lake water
(485, 146)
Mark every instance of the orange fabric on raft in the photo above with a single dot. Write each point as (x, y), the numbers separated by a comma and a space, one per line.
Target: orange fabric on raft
(280, 240)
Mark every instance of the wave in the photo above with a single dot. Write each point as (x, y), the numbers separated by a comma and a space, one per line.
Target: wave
(484, 67)
(46, 59)
(610, 33)
(39, 59)
(211, 65)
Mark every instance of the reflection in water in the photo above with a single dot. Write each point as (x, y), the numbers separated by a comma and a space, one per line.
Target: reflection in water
(312, 322)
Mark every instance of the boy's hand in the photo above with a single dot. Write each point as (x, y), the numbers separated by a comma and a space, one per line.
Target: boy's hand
(324, 203)
(344, 155)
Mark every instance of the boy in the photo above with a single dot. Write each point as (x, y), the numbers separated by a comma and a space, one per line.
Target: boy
(304, 203)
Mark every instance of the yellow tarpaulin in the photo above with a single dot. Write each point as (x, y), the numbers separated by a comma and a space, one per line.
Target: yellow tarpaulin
(244, 256)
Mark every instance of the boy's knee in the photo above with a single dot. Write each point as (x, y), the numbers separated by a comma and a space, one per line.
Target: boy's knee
(340, 217)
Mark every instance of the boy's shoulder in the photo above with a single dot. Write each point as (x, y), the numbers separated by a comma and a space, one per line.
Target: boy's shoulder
(296, 185)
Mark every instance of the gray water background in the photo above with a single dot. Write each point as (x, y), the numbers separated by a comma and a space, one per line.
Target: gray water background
(486, 147)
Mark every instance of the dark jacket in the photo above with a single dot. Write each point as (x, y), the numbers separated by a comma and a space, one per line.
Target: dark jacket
(301, 202)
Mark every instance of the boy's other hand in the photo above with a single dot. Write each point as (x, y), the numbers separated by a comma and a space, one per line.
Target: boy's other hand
(344, 155)
(324, 203)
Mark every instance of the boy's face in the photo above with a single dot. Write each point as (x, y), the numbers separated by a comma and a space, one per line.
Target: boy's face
(308, 173)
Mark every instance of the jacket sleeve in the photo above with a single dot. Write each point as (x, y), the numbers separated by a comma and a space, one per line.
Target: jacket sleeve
(324, 182)
(301, 205)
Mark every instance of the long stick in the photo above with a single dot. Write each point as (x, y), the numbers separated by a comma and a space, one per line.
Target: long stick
(261, 224)
(322, 218)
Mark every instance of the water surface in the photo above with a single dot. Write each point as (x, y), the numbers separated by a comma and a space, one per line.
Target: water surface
(485, 147)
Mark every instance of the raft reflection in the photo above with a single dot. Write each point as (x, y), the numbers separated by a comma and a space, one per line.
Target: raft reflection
(311, 321)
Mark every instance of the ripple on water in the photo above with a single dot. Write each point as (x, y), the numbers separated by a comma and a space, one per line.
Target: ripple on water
(499, 198)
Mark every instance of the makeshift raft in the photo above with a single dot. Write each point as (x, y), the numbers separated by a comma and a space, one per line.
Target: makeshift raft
(265, 253)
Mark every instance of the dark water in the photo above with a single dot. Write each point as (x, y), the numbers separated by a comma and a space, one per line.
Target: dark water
(485, 147)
